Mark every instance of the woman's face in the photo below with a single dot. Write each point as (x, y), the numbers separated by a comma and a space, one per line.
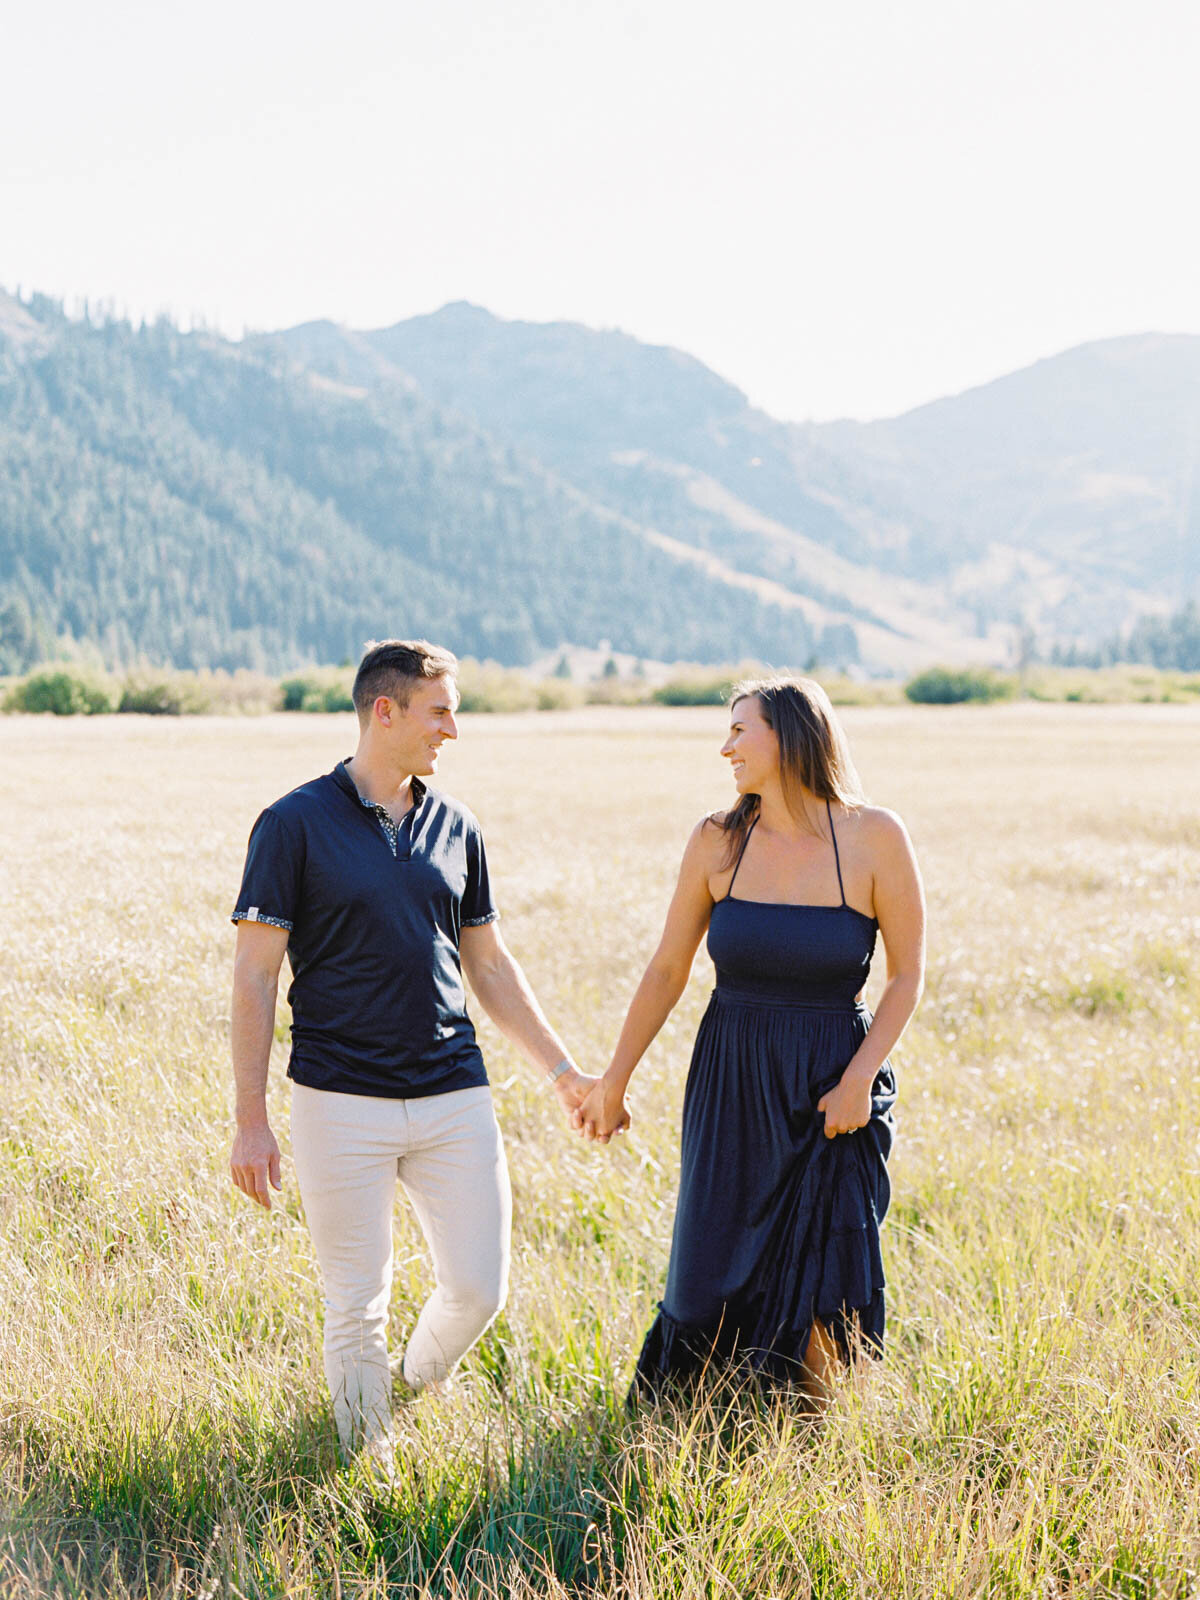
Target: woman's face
(751, 748)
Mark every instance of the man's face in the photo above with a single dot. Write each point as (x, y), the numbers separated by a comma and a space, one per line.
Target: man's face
(421, 728)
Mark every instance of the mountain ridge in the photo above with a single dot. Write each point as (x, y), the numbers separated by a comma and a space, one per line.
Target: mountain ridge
(357, 513)
(1077, 463)
(514, 486)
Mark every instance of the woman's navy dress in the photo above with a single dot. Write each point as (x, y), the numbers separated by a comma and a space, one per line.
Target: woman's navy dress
(776, 1225)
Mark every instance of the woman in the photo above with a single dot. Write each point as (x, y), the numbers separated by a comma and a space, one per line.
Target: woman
(775, 1267)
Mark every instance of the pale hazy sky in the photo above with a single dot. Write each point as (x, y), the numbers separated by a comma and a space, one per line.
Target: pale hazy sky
(846, 208)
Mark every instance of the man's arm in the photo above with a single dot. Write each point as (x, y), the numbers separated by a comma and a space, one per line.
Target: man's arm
(504, 993)
(256, 963)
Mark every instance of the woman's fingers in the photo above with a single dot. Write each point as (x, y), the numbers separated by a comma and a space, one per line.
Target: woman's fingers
(583, 1118)
(833, 1129)
(597, 1122)
(843, 1113)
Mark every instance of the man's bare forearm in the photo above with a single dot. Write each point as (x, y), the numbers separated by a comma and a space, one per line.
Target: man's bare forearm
(505, 995)
(253, 1030)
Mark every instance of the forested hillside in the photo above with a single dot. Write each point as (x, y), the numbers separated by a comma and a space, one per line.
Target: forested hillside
(654, 434)
(511, 487)
(195, 501)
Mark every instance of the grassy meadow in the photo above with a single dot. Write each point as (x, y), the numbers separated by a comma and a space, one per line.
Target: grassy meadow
(1034, 1428)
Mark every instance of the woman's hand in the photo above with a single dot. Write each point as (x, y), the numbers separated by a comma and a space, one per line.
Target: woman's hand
(603, 1112)
(848, 1106)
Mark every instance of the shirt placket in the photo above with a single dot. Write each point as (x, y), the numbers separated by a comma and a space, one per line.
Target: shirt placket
(392, 830)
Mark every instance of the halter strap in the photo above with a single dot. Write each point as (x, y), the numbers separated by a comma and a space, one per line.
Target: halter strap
(740, 854)
(837, 858)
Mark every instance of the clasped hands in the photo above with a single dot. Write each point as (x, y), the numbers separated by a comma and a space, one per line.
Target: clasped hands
(595, 1107)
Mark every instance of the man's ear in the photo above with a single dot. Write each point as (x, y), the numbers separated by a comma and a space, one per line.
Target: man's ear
(382, 710)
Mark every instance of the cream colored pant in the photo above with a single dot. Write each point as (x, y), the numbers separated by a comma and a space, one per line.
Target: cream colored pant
(349, 1150)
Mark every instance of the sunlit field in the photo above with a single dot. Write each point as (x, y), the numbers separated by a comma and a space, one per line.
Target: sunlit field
(1034, 1428)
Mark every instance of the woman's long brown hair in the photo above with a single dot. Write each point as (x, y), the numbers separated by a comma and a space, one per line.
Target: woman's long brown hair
(813, 753)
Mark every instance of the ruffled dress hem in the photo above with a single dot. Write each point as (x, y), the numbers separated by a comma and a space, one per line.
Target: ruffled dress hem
(679, 1356)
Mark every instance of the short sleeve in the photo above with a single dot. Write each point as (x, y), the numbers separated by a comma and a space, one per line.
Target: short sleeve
(477, 905)
(270, 889)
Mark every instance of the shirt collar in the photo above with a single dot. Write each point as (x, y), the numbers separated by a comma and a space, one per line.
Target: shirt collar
(344, 781)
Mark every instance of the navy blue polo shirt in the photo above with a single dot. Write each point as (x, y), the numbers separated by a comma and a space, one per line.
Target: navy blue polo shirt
(374, 915)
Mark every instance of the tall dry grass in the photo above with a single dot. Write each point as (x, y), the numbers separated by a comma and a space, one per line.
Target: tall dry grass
(1035, 1426)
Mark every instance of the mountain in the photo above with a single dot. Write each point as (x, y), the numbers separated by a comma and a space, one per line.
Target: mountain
(655, 435)
(507, 487)
(210, 503)
(1067, 490)
(1062, 496)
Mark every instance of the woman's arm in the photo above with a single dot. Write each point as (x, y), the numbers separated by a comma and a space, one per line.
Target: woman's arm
(900, 912)
(604, 1112)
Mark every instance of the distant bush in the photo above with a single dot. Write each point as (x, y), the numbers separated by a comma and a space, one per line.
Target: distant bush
(860, 692)
(62, 692)
(558, 694)
(240, 693)
(604, 691)
(315, 692)
(151, 699)
(1119, 685)
(336, 697)
(693, 692)
(946, 686)
(486, 686)
(163, 695)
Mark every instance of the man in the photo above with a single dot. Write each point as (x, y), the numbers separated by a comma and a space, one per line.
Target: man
(377, 888)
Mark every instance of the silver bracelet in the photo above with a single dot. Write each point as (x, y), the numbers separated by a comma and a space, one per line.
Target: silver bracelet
(556, 1073)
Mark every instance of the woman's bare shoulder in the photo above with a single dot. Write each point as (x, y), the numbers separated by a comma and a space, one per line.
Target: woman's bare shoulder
(706, 844)
(709, 832)
(880, 831)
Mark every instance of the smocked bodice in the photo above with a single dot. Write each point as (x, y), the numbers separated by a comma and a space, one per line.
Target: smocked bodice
(805, 955)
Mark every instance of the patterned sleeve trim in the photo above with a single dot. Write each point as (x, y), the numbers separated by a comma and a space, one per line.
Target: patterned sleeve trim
(479, 922)
(255, 915)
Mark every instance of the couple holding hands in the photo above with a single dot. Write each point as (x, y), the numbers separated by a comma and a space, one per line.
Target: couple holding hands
(377, 889)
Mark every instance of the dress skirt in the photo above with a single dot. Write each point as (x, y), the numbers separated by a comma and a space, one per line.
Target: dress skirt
(776, 1225)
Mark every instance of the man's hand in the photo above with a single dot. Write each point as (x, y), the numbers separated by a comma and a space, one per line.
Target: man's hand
(255, 1161)
(603, 1112)
(573, 1088)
